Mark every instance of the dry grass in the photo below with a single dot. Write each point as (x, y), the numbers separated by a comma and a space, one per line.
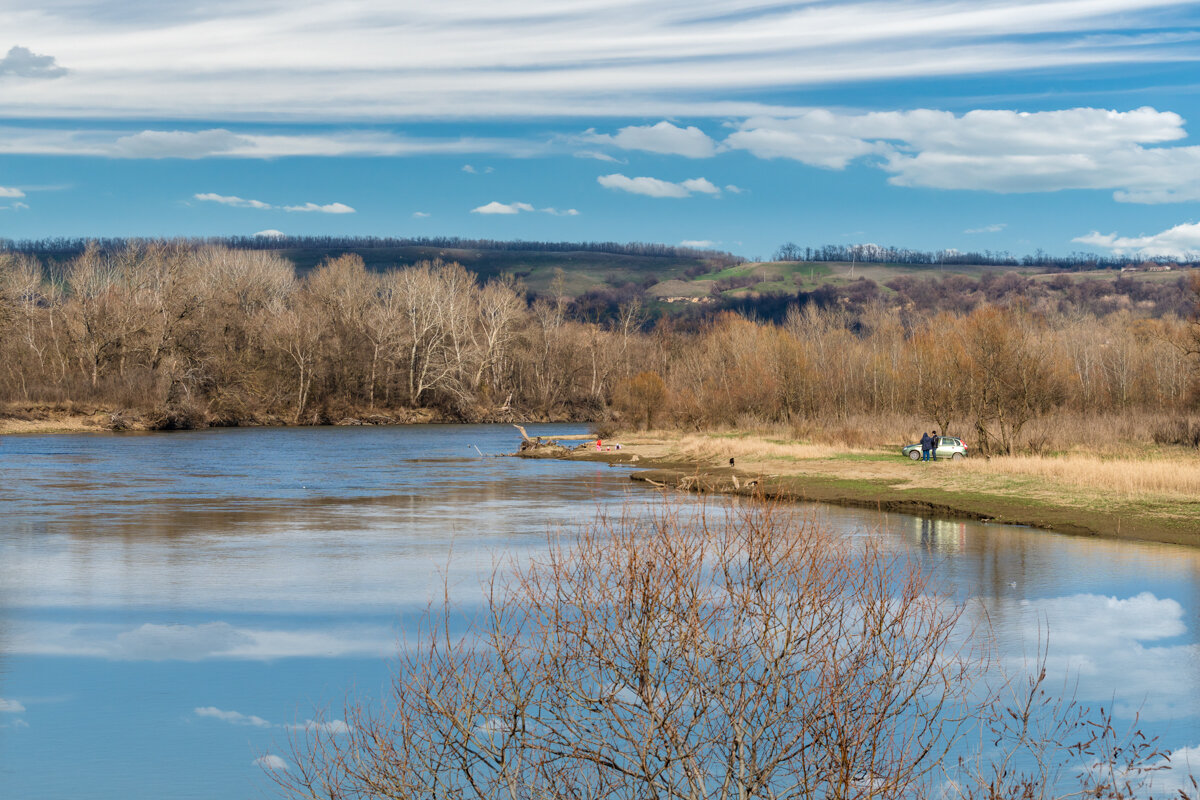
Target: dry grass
(63, 424)
(701, 448)
(1178, 476)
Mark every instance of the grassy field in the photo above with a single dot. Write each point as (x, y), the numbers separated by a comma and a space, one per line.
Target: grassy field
(1149, 494)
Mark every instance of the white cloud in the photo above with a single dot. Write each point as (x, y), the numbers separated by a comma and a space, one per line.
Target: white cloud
(994, 150)
(496, 207)
(994, 228)
(732, 189)
(663, 137)
(702, 185)
(813, 138)
(1182, 241)
(328, 208)
(153, 642)
(615, 57)
(598, 156)
(6, 191)
(467, 168)
(10, 707)
(241, 202)
(699, 243)
(654, 187)
(1133, 646)
(24, 63)
(15, 724)
(1173, 773)
(232, 717)
(333, 726)
(222, 143)
(420, 214)
(231, 200)
(270, 233)
(207, 641)
(569, 212)
(179, 144)
(271, 762)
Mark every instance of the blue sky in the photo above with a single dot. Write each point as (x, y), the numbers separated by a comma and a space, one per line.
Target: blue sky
(740, 124)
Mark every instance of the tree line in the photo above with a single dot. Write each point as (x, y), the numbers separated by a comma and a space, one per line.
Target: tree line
(72, 246)
(876, 254)
(189, 335)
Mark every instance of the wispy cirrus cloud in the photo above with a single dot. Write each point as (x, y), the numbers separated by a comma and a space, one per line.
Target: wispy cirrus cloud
(655, 187)
(201, 642)
(234, 201)
(232, 717)
(333, 726)
(224, 143)
(326, 208)
(496, 207)
(509, 209)
(616, 57)
(231, 200)
(993, 228)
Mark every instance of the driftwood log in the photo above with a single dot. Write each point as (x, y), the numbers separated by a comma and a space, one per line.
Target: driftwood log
(577, 437)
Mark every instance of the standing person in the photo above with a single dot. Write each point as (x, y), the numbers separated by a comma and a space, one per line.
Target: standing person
(935, 440)
(925, 442)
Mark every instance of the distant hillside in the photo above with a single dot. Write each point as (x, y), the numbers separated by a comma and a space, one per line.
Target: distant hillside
(584, 265)
(694, 285)
(581, 270)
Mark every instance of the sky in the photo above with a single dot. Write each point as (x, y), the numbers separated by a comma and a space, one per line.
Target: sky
(981, 125)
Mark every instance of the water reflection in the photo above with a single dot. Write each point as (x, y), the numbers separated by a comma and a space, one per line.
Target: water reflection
(252, 573)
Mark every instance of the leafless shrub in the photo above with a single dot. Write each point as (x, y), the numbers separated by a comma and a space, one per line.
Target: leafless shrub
(737, 654)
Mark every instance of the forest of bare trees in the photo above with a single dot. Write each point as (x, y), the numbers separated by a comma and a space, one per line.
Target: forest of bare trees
(185, 336)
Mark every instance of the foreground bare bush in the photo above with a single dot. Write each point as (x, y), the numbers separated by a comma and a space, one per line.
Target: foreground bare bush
(739, 654)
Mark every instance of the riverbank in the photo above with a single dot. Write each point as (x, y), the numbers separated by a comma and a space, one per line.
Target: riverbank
(36, 418)
(1151, 495)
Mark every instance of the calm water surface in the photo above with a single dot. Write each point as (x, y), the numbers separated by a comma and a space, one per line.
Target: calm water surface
(171, 603)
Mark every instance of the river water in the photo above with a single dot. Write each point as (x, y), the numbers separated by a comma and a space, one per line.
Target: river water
(171, 605)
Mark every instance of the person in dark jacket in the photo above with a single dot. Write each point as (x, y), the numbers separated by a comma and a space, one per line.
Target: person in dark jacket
(926, 440)
(934, 441)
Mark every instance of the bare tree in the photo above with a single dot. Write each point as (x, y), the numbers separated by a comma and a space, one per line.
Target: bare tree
(740, 654)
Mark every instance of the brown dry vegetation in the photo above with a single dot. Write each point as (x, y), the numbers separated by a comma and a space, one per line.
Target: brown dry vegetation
(1126, 489)
(175, 336)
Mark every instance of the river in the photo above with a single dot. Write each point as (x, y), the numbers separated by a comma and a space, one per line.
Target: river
(173, 605)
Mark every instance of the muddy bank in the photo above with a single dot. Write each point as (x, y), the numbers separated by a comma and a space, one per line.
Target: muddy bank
(673, 474)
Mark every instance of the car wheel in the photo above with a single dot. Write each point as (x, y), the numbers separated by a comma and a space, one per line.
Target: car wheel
(914, 455)
(958, 456)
